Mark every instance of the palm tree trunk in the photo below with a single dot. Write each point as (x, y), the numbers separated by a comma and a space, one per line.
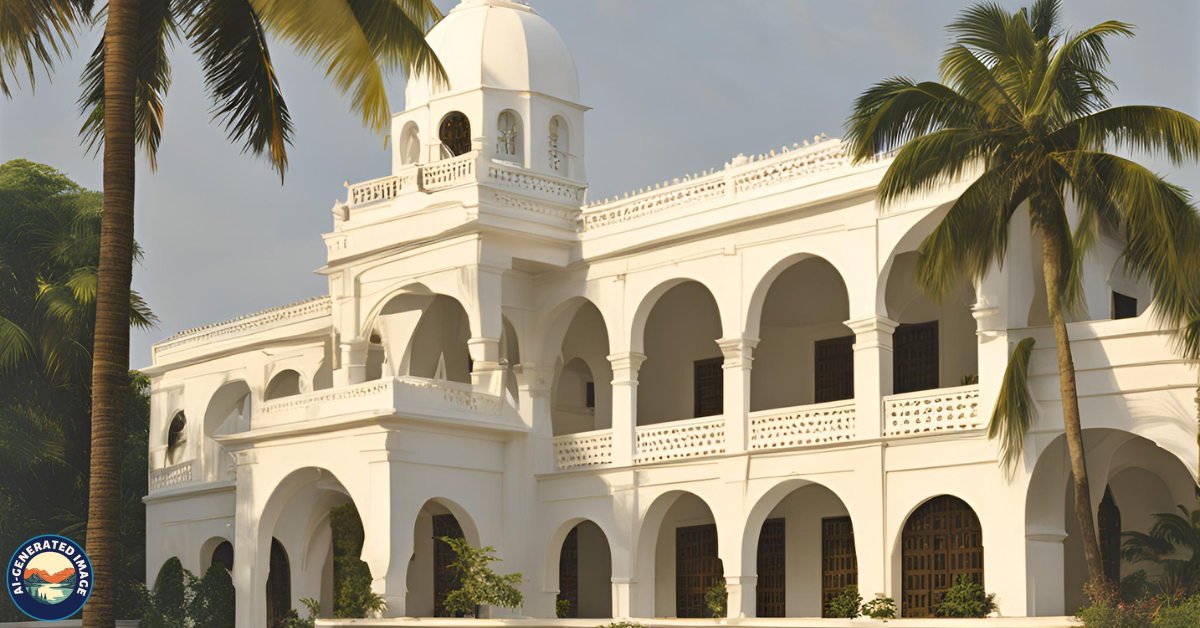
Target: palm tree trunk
(1052, 267)
(110, 355)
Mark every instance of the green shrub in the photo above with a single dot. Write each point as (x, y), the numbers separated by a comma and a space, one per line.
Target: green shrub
(292, 619)
(716, 599)
(880, 608)
(478, 584)
(562, 608)
(353, 596)
(214, 599)
(167, 605)
(1106, 609)
(1183, 615)
(845, 604)
(966, 598)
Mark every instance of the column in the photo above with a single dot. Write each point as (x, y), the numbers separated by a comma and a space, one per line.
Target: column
(250, 565)
(353, 361)
(533, 391)
(388, 544)
(738, 354)
(742, 600)
(486, 370)
(872, 371)
(624, 405)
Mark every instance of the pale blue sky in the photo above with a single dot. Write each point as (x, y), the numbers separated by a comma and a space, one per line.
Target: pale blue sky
(676, 86)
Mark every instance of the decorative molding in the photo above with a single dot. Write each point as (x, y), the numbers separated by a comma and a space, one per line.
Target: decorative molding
(514, 202)
(525, 180)
(314, 307)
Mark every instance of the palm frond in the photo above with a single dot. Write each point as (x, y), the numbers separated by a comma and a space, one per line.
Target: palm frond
(930, 162)
(229, 37)
(353, 52)
(15, 344)
(962, 69)
(984, 27)
(1015, 411)
(1044, 17)
(157, 30)
(1159, 131)
(37, 32)
(1074, 84)
(140, 315)
(896, 110)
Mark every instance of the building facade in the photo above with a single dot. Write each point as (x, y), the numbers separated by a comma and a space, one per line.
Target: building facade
(727, 375)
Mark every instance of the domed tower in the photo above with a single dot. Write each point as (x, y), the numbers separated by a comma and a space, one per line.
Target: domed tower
(513, 94)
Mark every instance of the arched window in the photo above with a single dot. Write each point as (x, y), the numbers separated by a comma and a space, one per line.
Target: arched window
(559, 144)
(455, 133)
(942, 540)
(279, 584)
(1108, 519)
(176, 437)
(285, 384)
(223, 555)
(410, 144)
(508, 134)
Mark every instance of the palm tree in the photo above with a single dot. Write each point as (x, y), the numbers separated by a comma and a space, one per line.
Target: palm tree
(1024, 105)
(125, 84)
(1173, 543)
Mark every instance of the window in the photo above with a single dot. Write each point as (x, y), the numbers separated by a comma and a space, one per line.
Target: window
(279, 584)
(771, 593)
(455, 133)
(1108, 520)
(223, 555)
(833, 369)
(445, 579)
(568, 573)
(176, 436)
(590, 400)
(709, 387)
(915, 360)
(508, 137)
(697, 568)
(1124, 306)
(839, 562)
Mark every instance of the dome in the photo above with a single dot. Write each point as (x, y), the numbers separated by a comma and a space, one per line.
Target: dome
(500, 44)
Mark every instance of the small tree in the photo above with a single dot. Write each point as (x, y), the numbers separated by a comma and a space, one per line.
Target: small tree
(478, 584)
(880, 608)
(213, 604)
(562, 608)
(353, 596)
(168, 603)
(716, 599)
(845, 604)
(966, 598)
(292, 618)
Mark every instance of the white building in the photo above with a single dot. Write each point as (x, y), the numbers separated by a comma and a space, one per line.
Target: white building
(572, 383)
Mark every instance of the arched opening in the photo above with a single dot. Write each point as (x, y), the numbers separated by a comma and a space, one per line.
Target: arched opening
(805, 553)
(430, 578)
(585, 573)
(508, 136)
(934, 346)
(510, 354)
(285, 383)
(581, 397)
(279, 584)
(410, 144)
(678, 561)
(176, 438)
(805, 353)
(421, 335)
(682, 377)
(455, 134)
(942, 540)
(222, 555)
(560, 146)
(228, 412)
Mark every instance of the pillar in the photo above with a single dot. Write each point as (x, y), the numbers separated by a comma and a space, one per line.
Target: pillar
(533, 391)
(738, 354)
(353, 361)
(486, 371)
(872, 371)
(742, 600)
(624, 401)
(250, 565)
(388, 532)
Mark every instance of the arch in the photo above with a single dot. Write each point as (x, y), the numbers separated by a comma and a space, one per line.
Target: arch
(285, 383)
(753, 314)
(591, 593)
(509, 144)
(664, 514)
(228, 410)
(428, 578)
(909, 241)
(416, 332)
(682, 375)
(410, 144)
(454, 131)
(510, 355)
(559, 140)
(807, 508)
(217, 550)
(941, 539)
(805, 352)
(278, 594)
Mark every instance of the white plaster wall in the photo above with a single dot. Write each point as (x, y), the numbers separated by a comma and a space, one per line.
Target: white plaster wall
(586, 342)
(595, 572)
(803, 511)
(683, 327)
(688, 510)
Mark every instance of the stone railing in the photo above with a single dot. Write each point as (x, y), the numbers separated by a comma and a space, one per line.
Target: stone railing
(581, 450)
(456, 394)
(938, 410)
(174, 475)
(818, 424)
(448, 173)
(314, 307)
(373, 190)
(524, 181)
(690, 438)
(742, 175)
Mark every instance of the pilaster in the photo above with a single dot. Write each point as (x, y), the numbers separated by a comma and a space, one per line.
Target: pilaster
(353, 361)
(624, 405)
(739, 356)
(872, 371)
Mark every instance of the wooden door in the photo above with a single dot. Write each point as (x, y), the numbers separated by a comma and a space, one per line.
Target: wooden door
(833, 369)
(771, 595)
(697, 568)
(568, 572)
(915, 357)
(709, 387)
(839, 561)
(942, 540)
(445, 579)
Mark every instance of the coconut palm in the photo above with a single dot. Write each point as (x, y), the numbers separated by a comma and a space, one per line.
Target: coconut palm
(1022, 107)
(125, 83)
(1173, 544)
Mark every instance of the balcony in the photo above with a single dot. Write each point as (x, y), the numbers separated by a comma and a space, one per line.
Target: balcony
(678, 440)
(175, 475)
(928, 411)
(801, 426)
(583, 450)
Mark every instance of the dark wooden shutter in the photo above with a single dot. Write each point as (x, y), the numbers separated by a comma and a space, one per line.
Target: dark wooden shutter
(915, 357)
(1108, 519)
(455, 133)
(833, 370)
(839, 562)
(942, 540)
(445, 579)
(771, 595)
(697, 568)
(568, 572)
(709, 387)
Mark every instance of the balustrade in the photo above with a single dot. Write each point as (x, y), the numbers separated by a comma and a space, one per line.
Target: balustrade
(938, 410)
(174, 475)
(584, 449)
(819, 424)
(690, 438)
